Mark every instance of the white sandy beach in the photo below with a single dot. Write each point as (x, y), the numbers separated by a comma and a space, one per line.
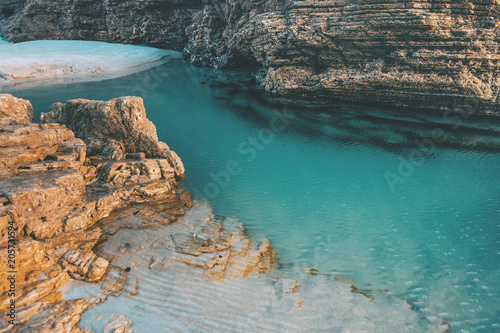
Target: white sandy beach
(62, 61)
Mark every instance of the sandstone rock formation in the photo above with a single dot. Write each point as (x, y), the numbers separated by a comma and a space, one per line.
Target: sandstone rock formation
(437, 55)
(118, 129)
(422, 54)
(53, 191)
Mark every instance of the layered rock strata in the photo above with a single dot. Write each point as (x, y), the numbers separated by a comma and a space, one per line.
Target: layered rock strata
(61, 192)
(439, 55)
(220, 250)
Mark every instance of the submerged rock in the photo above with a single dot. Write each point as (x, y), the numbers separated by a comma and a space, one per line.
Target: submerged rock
(203, 274)
(140, 238)
(115, 281)
(119, 324)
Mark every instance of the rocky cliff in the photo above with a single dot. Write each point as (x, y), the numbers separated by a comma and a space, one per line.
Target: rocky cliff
(53, 191)
(158, 23)
(430, 54)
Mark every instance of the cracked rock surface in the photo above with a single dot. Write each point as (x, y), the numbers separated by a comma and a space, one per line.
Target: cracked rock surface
(54, 190)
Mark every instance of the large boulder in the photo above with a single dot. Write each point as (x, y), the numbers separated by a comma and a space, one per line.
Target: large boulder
(117, 128)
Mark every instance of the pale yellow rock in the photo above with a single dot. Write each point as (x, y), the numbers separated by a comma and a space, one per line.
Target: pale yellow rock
(55, 193)
(15, 110)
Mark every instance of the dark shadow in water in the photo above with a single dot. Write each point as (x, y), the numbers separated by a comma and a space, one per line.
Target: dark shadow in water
(388, 129)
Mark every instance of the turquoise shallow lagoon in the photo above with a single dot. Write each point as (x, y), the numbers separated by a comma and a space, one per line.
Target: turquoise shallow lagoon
(344, 190)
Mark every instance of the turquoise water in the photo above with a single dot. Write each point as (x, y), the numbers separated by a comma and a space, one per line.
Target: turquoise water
(345, 190)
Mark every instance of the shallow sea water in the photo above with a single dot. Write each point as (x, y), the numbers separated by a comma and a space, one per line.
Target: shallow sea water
(344, 190)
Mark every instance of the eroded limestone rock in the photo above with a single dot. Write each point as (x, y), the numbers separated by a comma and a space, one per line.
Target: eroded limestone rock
(60, 317)
(54, 191)
(83, 265)
(220, 250)
(67, 201)
(119, 324)
(34, 148)
(417, 54)
(115, 128)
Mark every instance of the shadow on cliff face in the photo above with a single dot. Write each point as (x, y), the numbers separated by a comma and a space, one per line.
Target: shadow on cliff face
(407, 53)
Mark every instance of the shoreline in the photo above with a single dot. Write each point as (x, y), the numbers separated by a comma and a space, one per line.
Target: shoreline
(363, 293)
(53, 65)
(54, 188)
(54, 62)
(412, 56)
